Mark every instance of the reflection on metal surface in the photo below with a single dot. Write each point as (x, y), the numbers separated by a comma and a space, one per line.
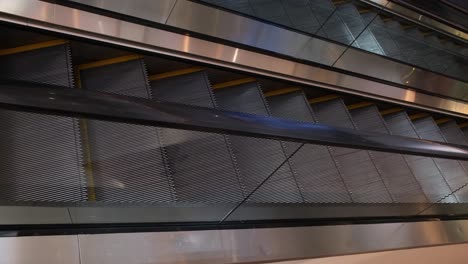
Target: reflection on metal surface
(119, 32)
(202, 19)
(255, 245)
(87, 103)
(381, 68)
(39, 250)
(230, 246)
(157, 11)
(224, 25)
(419, 18)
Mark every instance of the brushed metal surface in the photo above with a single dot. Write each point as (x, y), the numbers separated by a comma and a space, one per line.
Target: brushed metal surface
(382, 68)
(157, 11)
(113, 107)
(217, 23)
(39, 250)
(419, 18)
(113, 31)
(256, 245)
(225, 25)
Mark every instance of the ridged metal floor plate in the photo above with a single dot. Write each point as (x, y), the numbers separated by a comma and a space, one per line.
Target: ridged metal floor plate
(359, 171)
(126, 161)
(201, 164)
(393, 168)
(42, 159)
(426, 170)
(257, 158)
(317, 172)
(454, 172)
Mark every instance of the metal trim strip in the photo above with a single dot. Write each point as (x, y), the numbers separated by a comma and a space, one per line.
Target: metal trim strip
(105, 29)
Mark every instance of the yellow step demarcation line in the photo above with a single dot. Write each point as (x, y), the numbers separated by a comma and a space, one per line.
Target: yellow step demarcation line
(84, 122)
(174, 73)
(463, 125)
(363, 11)
(391, 111)
(418, 116)
(34, 46)
(233, 83)
(359, 105)
(323, 98)
(110, 61)
(88, 166)
(282, 91)
(443, 120)
(339, 2)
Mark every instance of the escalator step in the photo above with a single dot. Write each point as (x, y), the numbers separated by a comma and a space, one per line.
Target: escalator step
(393, 168)
(359, 171)
(127, 161)
(258, 158)
(453, 170)
(426, 170)
(316, 170)
(454, 135)
(42, 159)
(202, 164)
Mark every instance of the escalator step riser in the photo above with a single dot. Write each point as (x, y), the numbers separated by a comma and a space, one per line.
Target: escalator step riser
(426, 170)
(201, 164)
(317, 173)
(128, 162)
(257, 158)
(453, 170)
(42, 153)
(393, 168)
(357, 167)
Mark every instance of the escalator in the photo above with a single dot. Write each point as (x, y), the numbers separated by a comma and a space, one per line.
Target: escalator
(364, 27)
(52, 159)
(109, 179)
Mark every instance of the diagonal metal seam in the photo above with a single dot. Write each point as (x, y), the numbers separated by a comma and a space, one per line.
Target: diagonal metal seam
(98, 105)
(234, 209)
(380, 10)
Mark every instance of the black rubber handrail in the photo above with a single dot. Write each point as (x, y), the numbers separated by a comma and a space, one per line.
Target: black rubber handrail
(97, 105)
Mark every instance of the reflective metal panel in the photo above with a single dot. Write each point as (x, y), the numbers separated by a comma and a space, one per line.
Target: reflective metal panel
(96, 27)
(157, 11)
(217, 23)
(39, 250)
(76, 102)
(382, 68)
(256, 245)
(23, 215)
(419, 18)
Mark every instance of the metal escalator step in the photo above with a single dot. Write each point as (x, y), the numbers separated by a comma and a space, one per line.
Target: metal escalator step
(257, 158)
(358, 169)
(316, 170)
(127, 161)
(454, 172)
(42, 160)
(426, 170)
(393, 168)
(454, 134)
(202, 164)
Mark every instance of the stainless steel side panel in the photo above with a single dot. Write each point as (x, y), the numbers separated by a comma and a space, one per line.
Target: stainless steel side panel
(230, 246)
(88, 25)
(157, 11)
(257, 245)
(224, 25)
(382, 68)
(419, 18)
(39, 250)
